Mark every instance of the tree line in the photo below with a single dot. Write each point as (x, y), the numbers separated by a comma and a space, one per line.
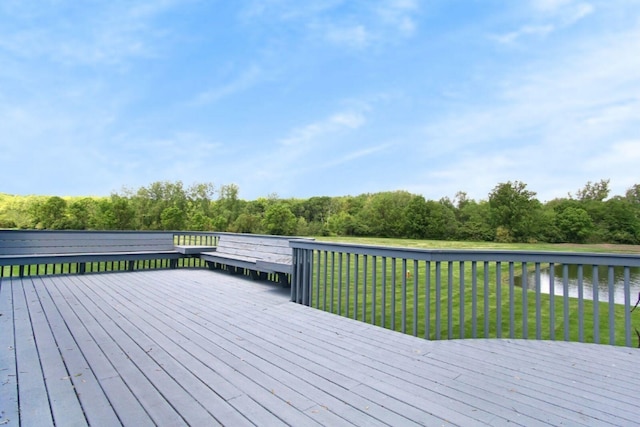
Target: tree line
(511, 213)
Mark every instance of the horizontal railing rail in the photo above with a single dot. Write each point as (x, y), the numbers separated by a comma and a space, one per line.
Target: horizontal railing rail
(450, 294)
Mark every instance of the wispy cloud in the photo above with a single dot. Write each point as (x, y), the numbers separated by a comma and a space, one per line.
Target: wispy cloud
(94, 35)
(548, 16)
(353, 25)
(356, 36)
(354, 155)
(399, 15)
(346, 120)
(245, 80)
(527, 30)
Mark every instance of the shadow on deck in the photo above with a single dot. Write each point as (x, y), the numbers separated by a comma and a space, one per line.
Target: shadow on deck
(194, 347)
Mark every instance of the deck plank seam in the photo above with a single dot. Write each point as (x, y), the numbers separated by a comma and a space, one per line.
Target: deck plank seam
(291, 380)
(364, 374)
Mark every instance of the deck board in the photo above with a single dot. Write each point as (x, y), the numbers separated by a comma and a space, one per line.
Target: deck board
(196, 347)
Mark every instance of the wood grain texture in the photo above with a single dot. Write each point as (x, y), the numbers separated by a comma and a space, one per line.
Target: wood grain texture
(196, 347)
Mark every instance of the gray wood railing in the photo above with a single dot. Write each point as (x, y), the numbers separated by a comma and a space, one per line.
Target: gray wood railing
(452, 294)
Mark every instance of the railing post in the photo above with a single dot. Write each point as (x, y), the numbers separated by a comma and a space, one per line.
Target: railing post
(301, 276)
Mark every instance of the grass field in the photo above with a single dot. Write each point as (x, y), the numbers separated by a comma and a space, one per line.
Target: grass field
(443, 244)
(435, 300)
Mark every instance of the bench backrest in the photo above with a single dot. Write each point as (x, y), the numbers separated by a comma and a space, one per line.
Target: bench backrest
(265, 248)
(36, 242)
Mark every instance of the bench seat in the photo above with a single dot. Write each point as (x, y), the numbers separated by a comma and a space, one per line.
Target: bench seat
(257, 255)
(194, 249)
(38, 247)
(239, 261)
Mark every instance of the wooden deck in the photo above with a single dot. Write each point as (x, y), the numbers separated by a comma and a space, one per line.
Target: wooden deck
(200, 348)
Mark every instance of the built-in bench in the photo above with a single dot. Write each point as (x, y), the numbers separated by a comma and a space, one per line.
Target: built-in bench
(253, 254)
(36, 247)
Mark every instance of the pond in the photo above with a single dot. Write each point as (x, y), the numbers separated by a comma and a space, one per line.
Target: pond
(587, 282)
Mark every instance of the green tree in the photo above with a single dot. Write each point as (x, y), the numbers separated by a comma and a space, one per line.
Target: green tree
(149, 202)
(574, 224)
(475, 221)
(622, 222)
(115, 213)
(199, 200)
(441, 223)
(515, 210)
(247, 223)
(52, 214)
(342, 224)
(416, 216)
(633, 195)
(383, 214)
(172, 218)
(226, 208)
(81, 213)
(596, 191)
(279, 220)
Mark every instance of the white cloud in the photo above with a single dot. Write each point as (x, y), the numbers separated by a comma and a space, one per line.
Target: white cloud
(108, 34)
(551, 16)
(347, 120)
(399, 14)
(550, 5)
(354, 155)
(352, 25)
(527, 30)
(242, 82)
(354, 37)
(577, 13)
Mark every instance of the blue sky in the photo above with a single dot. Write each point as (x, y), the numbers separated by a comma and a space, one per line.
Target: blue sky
(319, 97)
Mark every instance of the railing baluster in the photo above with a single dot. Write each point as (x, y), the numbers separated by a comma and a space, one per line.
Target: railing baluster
(627, 307)
(552, 302)
(538, 285)
(438, 299)
(462, 301)
(581, 303)
(384, 292)
(450, 299)
(498, 299)
(474, 299)
(404, 296)
(364, 288)
(340, 256)
(348, 285)
(355, 286)
(596, 305)
(612, 306)
(525, 301)
(374, 287)
(333, 279)
(565, 299)
(416, 297)
(393, 293)
(427, 300)
(486, 299)
(324, 291)
(512, 316)
(318, 270)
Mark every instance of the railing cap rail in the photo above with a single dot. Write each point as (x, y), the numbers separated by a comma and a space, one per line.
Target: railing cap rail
(266, 236)
(500, 255)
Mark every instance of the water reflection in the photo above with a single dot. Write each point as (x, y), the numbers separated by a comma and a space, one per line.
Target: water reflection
(573, 282)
